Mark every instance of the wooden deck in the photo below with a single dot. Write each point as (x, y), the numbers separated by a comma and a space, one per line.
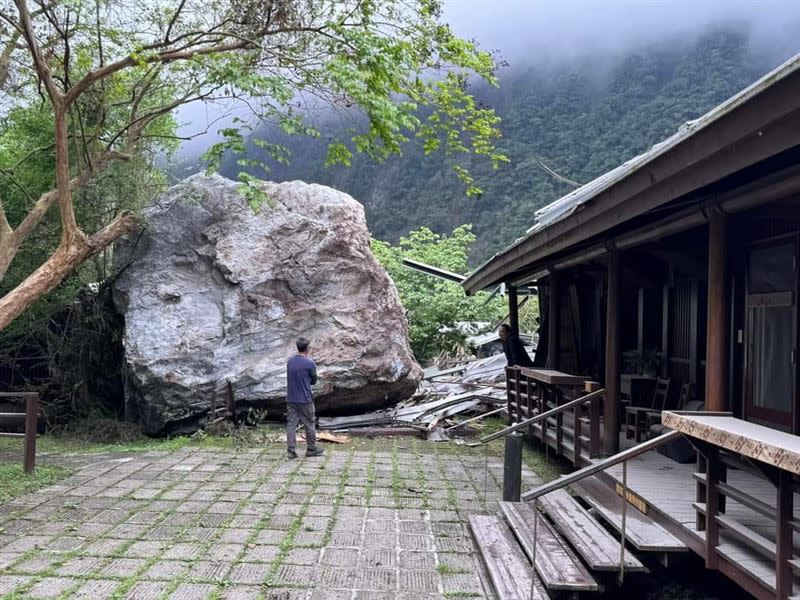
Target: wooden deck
(668, 489)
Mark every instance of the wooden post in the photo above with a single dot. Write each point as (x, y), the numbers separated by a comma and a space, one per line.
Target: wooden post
(665, 332)
(612, 407)
(717, 334)
(783, 542)
(513, 309)
(713, 467)
(31, 424)
(553, 322)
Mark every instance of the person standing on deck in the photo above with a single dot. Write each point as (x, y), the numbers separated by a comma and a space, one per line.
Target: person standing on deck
(301, 374)
(516, 355)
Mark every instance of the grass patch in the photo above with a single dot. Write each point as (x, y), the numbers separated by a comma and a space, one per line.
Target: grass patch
(444, 569)
(15, 482)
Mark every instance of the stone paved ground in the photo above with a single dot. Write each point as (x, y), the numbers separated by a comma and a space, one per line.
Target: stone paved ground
(370, 520)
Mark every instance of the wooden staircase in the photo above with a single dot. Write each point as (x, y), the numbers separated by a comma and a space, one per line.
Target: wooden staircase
(577, 541)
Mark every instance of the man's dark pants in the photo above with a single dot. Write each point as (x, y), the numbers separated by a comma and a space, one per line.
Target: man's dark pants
(300, 413)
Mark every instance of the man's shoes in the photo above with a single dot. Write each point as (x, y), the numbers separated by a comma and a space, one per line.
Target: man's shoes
(315, 452)
(291, 454)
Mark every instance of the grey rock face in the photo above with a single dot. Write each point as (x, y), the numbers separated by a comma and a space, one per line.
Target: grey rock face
(214, 291)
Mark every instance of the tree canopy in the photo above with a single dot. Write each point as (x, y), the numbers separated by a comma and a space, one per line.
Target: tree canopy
(435, 306)
(102, 79)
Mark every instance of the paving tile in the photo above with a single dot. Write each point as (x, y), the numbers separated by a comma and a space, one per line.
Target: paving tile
(414, 559)
(51, 587)
(294, 575)
(260, 553)
(249, 573)
(96, 589)
(241, 592)
(421, 581)
(80, 566)
(193, 591)
(9, 583)
(166, 570)
(303, 556)
(461, 584)
(147, 591)
(122, 567)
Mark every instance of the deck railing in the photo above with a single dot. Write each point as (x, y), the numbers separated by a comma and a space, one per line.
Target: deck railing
(574, 430)
(713, 517)
(30, 420)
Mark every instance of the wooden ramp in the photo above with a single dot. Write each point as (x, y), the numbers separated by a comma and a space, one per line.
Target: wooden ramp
(509, 570)
(642, 532)
(598, 548)
(556, 563)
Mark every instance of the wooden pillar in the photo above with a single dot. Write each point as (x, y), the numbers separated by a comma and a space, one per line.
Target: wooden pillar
(717, 333)
(553, 322)
(513, 310)
(783, 541)
(613, 357)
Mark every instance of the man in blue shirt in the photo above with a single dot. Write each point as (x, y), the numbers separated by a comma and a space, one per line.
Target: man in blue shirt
(301, 374)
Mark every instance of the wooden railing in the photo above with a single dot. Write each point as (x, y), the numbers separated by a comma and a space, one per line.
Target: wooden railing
(527, 397)
(773, 456)
(30, 420)
(713, 494)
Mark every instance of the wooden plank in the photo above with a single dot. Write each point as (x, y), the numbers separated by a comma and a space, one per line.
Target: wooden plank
(643, 533)
(509, 570)
(598, 548)
(553, 376)
(769, 446)
(556, 563)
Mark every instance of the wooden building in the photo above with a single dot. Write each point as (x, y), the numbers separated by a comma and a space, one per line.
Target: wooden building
(684, 259)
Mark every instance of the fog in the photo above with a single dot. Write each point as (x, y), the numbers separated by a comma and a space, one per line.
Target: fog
(532, 31)
(553, 33)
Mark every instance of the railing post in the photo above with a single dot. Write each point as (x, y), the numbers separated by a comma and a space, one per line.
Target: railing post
(594, 427)
(31, 423)
(713, 470)
(783, 541)
(512, 468)
(577, 430)
(700, 493)
(509, 386)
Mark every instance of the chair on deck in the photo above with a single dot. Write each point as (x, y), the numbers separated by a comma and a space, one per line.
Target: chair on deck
(636, 416)
(653, 417)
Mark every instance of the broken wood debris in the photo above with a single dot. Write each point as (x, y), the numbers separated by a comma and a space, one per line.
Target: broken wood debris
(474, 390)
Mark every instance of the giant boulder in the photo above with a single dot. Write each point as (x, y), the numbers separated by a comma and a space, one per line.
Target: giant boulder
(214, 291)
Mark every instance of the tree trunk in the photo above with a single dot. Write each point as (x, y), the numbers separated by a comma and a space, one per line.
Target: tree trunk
(60, 264)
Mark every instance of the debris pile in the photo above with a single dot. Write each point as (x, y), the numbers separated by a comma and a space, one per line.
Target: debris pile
(468, 391)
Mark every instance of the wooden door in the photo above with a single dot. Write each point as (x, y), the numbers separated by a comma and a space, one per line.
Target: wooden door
(771, 330)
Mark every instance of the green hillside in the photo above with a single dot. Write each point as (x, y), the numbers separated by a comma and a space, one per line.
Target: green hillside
(580, 120)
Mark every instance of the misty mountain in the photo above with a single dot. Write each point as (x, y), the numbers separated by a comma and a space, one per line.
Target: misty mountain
(578, 123)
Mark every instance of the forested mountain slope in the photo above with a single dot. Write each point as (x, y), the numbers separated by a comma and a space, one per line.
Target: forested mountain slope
(580, 119)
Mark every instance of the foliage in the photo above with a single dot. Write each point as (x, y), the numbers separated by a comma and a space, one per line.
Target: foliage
(579, 119)
(106, 77)
(434, 305)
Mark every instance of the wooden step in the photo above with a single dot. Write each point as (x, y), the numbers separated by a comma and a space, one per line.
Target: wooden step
(556, 563)
(510, 572)
(641, 531)
(598, 548)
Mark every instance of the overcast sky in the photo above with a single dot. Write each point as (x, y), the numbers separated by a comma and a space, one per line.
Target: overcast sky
(532, 30)
(553, 31)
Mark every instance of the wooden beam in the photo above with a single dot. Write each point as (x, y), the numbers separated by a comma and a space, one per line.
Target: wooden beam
(513, 310)
(553, 321)
(613, 355)
(717, 332)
